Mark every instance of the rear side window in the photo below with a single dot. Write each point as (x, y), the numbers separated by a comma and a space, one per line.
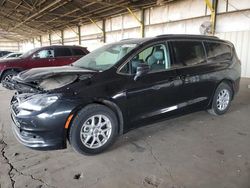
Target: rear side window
(78, 52)
(218, 51)
(62, 52)
(188, 53)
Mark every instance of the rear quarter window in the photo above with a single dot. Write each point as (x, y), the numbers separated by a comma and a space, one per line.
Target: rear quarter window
(218, 51)
(78, 52)
(62, 52)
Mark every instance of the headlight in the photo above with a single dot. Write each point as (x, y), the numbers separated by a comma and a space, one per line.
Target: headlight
(38, 102)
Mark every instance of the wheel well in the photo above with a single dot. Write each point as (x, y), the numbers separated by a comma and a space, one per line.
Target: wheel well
(6, 70)
(229, 83)
(117, 112)
(106, 103)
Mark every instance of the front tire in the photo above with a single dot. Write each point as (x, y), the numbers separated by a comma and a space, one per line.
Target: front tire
(221, 100)
(7, 76)
(93, 129)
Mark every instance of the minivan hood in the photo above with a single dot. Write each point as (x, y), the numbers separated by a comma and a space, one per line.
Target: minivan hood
(37, 74)
(47, 78)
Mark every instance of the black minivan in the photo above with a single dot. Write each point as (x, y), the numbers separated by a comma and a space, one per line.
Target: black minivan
(121, 86)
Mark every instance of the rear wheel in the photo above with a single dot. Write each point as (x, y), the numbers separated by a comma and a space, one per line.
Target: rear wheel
(93, 129)
(221, 100)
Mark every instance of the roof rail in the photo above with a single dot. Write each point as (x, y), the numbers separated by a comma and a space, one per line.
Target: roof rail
(188, 35)
(165, 35)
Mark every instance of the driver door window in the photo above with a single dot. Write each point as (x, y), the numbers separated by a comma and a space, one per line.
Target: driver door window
(47, 53)
(156, 56)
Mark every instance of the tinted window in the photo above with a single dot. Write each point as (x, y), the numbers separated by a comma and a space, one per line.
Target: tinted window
(188, 53)
(61, 52)
(156, 56)
(218, 51)
(46, 53)
(77, 51)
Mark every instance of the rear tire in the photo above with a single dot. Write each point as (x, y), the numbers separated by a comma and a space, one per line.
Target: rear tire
(93, 130)
(221, 100)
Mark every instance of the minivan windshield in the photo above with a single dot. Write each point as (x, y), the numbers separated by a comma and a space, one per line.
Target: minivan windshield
(104, 57)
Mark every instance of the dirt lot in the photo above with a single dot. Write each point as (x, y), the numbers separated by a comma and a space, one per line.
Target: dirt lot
(196, 150)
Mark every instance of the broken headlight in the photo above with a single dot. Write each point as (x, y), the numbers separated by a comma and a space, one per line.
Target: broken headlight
(38, 102)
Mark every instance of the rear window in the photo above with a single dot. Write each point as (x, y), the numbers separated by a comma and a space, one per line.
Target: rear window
(78, 52)
(61, 52)
(188, 53)
(218, 51)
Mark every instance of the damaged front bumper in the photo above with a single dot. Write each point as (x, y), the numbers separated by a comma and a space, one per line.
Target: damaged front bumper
(36, 139)
(41, 130)
(28, 138)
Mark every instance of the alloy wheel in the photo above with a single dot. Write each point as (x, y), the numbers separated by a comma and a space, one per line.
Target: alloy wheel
(96, 131)
(223, 99)
(8, 77)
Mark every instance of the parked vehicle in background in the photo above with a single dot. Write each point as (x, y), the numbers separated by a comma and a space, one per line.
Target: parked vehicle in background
(41, 57)
(11, 55)
(121, 86)
(3, 53)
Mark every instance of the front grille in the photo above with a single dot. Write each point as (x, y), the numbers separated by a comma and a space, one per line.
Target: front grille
(15, 120)
(15, 109)
(16, 100)
(14, 104)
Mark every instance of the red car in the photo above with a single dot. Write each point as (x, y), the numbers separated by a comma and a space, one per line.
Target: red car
(41, 57)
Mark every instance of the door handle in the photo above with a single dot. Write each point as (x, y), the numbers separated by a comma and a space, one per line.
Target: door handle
(176, 80)
(190, 78)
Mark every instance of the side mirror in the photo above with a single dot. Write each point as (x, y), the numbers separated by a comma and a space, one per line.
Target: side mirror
(35, 56)
(141, 70)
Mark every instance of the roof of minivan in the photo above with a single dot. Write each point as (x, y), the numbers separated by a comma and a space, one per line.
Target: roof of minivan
(168, 36)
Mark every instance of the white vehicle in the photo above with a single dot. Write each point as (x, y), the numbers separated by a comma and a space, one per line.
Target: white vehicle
(11, 55)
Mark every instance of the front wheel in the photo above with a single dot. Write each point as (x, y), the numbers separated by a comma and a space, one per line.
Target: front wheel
(221, 100)
(7, 76)
(93, 129)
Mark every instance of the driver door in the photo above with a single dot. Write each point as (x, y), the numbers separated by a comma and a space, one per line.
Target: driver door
(42, 58)
(154, 94)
